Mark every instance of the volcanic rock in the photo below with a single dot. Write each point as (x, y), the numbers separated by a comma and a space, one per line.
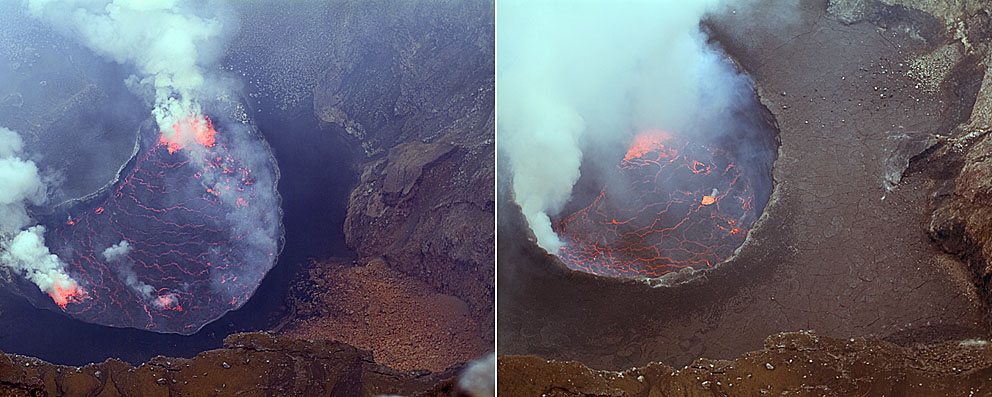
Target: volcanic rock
(400, 319)
(259, 364)
(417, 93)
(441, 229)
(411, 72)
(962, 219)
(411, 85)
(789, 363)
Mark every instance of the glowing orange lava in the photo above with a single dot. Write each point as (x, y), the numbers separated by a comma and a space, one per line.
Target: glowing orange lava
(197, 127)
(167, 302)
(647, 142)
(673, 203)
(62, 295)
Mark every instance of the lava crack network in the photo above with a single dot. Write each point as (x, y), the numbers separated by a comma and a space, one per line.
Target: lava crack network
(185, 234)
(671, 204)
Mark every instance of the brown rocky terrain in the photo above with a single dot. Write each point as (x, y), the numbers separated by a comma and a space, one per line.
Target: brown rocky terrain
(413, 86)
(428, 209)
(400, 319)
(255, 364)
(798, 363)
(962, 219)
(880, 106)
(426, 204)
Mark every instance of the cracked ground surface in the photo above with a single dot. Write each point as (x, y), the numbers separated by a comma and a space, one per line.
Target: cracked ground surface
(842, 248)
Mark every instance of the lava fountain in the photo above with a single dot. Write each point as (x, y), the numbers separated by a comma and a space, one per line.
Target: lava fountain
(185, 234)
(669, 204)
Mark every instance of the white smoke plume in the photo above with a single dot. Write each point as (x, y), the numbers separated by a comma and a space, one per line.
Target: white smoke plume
(174, 47)
(21, 183)
(479, 378)
(117, 254)
(163, 39)
(578, 77)
(24, 250)
(131, 280)
(117, 251)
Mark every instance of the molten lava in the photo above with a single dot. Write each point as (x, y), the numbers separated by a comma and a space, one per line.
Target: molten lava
(202, 228)
(67, 291)
(197, 127)
(672, 204)
(647, 142)
(167, 302)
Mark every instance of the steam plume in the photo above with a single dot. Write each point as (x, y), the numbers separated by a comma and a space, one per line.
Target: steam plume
(131, 280)
(117, 251)
(577, 78)
(479, 378)
(24, 250)
(162, 38)
(117, 254)
(173, 47)
(21, 184)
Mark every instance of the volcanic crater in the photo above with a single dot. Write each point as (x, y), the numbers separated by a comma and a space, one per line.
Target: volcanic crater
(844, 246)
(674, 201)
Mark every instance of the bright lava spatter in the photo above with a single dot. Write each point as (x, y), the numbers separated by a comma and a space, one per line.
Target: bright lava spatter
(63, 295)
(671, 204)
(195, 248)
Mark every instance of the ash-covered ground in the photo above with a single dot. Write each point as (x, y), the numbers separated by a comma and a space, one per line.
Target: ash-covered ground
(874, 229)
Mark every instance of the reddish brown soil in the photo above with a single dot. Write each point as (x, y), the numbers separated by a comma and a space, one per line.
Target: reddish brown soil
(405, 323)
